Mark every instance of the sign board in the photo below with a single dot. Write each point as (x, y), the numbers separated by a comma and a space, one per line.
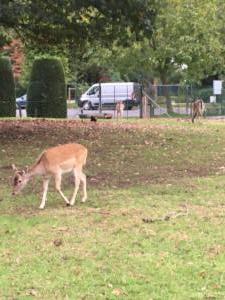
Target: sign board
(217, 87)
(212, 99)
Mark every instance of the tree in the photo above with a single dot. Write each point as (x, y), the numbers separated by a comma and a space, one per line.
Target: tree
(47, 22)
(7, 89)
(186, 43)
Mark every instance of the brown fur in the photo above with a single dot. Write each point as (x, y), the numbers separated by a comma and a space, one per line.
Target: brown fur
(53, 162)
(198, 109)
(119, 109)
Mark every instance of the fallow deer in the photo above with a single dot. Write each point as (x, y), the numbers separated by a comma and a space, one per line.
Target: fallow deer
(198, 109)
(119, 109)
(53, 162)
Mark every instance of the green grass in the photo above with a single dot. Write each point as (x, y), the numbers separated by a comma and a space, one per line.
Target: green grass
(136, 170)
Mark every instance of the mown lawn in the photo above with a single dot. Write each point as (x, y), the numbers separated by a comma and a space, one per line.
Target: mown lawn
(103, 249)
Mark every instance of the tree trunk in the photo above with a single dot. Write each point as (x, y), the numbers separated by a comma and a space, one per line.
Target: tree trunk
(152, 89)
(169, 106)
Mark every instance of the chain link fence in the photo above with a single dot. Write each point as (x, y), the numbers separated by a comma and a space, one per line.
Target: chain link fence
(176, 100)
(150, 101)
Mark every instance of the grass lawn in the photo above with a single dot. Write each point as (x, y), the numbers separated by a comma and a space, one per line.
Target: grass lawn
(137, 170)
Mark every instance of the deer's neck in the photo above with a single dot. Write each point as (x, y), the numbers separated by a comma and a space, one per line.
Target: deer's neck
(36, 169)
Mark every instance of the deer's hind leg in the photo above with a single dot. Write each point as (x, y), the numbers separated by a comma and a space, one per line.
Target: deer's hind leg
(58, 180)
(79, 176)
(194, 116)
(83, 179)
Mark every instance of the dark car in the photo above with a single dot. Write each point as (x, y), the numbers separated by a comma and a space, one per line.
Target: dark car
(21, 102)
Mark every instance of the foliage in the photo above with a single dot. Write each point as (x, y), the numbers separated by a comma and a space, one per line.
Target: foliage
(47, 22)
(214, 109)
(35, 54)
(46, 91)
(7, 89)
(203, 93)
(172, 54)
(5, 37)
(136, 40)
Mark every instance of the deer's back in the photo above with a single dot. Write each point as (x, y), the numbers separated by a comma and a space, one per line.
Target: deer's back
(65, 157)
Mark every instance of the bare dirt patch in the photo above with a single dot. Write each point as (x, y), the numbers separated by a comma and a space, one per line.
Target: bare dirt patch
(120, 154)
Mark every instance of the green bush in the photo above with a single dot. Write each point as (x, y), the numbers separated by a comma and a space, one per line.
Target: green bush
(46, 93)
(213, 109)
(203, 93)
(7, 89)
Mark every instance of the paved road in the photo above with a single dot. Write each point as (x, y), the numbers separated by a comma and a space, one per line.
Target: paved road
(74, 113)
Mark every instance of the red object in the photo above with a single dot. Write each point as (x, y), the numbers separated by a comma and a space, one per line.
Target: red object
(15, 52)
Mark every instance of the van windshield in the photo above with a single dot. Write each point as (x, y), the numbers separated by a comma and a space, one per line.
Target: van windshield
(94, 90)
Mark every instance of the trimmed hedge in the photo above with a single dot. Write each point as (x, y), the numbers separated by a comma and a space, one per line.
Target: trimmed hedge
(46, 93)
(7, 89)
(203, 93)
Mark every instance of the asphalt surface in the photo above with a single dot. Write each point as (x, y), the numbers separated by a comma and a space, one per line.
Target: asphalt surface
(74, 113)
(135, 112)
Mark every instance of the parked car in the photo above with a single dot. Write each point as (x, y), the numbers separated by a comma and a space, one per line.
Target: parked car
(21, 102)
(111, 93)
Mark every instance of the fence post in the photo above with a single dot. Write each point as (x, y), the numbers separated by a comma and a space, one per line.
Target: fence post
(127, 102)
(141, 102)
(152, 93)
(20, 110)
(100, 98)
(114, 95)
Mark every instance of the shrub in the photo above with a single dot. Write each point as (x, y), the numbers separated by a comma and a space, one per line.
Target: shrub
(46, 93)
(203, 93)
(213, 109)
(7, 89)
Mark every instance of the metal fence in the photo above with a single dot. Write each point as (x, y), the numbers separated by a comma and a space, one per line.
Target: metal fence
(176, 100)
(153, 100)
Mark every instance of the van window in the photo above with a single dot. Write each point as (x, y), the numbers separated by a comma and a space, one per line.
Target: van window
(94, 91)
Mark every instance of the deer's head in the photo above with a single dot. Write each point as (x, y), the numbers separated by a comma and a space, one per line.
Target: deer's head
(20, 179)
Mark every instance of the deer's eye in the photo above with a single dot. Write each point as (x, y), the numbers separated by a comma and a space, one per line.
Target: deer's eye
(19, 180)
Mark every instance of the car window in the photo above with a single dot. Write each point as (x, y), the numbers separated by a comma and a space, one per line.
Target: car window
(94, 90)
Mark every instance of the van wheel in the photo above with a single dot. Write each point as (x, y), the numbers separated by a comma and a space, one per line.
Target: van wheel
(87, 105)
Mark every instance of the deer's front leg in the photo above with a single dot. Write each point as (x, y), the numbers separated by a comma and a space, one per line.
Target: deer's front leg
(45, 190)
(83, 179)
(77, 184)
(58, 179)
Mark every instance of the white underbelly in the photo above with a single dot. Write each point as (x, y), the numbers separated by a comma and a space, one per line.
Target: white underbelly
(67, 166)
(66, 170)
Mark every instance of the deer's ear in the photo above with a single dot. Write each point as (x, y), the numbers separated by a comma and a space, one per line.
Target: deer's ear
(14, 167)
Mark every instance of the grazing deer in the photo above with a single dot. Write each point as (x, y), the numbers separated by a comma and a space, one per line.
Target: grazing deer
(198, 109)
(119, 109)
(53, 162)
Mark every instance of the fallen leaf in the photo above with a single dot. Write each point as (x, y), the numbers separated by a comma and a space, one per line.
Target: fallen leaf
(57, 242)
(117, 292)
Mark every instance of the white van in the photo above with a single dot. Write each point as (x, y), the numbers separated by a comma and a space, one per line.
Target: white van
(111, 93)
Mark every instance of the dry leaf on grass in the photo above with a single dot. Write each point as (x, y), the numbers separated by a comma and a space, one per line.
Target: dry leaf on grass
(117, 292)
(57, 242)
